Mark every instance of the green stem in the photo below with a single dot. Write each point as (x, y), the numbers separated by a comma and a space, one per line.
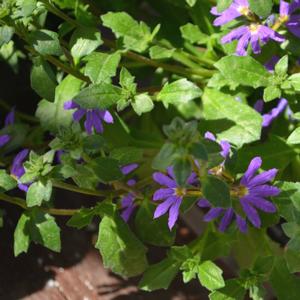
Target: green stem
(53, 211)
(74, 188)
(21, 115)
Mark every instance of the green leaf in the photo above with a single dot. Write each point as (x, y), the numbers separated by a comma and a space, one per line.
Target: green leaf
(216, 191)
(127, 81)
(271, 93)
(6, 181)
(52, 115)
(142, 104)
(38, 192)
(210, 276)
(84, 41)
(153, 231)
(198, 150)
(193, 34)
(136, 36)
(282, 65)
(27, 7)
(223, 4)
(165, 157)
(121, 251)
(21, 235)
(101, 96)
(282, 281)
(46, 42)
(294, 137)
(295, 81)
(44, 230)
(178, 92)
(101, 67)
(160, 275)
(158, 52)
(191, 3)
(262, 8)
(6, 33)
(82, 218)
(127, 155)
(246, 122)
(247, 70)
(43, 80)
(182, 170)
(233, 290)
(106, 169)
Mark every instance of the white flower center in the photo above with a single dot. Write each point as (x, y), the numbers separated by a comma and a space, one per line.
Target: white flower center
(254, 28)
(243, 10)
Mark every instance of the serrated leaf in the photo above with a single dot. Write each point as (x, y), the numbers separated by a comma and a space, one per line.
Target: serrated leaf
(121, 251)
(294, 137)
(6, 181)
(210, 276)
(21, 235)
(38, 192)
(101, 96)
(158, 52)
(101, 67)
(262, 8)
(165, 157)
(52, 115)
(246, 122)
(43, 80)
(153, 231)
(84, 41)
(44, 230)
(193, 34)
(233, 290)
(142, 104)
(244, 70)
(106, 169)
(178, 92)
(271, 93)
(82, 218)
(46, 42)
(216, 191)
(282, 65)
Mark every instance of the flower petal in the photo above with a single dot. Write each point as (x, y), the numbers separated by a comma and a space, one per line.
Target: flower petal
(78, 114)
(203, 203)
(241, 223)
(254, 165)
(174, 212)
(261, 203)
(4, 139)
(162, 194)
(251, 213)
(164, 180)
(227, 218)
(10, 118)
(129, 168)
(162, 208)
(213, 214)
(262, 178)
(265, 191)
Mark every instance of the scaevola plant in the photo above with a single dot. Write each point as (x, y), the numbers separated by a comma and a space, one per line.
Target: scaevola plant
(152, 114)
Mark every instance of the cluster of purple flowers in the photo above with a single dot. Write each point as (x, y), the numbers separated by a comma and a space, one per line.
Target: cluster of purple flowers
(94, 117)
(256, 33)
(250, 194)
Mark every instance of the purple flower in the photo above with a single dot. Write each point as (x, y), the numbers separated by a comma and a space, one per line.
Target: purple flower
(251, 192)
(224, 144)
(255, 34)
(235, 10)
(127, 201)
(9, 120)
(273, 114)
(94, 117)
(172, 194)
(17, 169)
(292, 22)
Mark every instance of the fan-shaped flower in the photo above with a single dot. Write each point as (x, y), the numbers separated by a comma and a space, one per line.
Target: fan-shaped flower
(94, 117)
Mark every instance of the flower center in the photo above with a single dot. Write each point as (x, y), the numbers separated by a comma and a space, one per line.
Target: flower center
(239, 191)
(180, 192)
(283, 18)
(254, 28)
(243, 10)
